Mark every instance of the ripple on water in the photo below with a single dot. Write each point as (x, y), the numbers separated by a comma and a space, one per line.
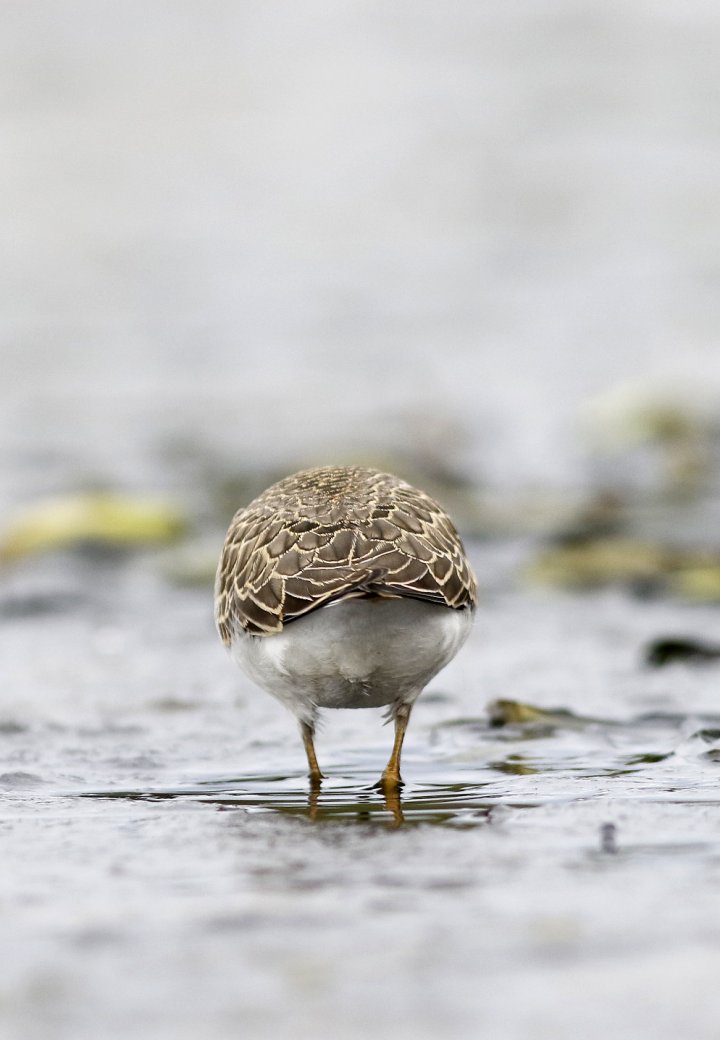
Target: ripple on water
(475, 769)
(452, 805)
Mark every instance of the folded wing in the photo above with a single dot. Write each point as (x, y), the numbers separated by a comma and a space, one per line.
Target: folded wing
(277, 567)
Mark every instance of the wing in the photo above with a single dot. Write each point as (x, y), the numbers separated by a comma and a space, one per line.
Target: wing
(277, 566)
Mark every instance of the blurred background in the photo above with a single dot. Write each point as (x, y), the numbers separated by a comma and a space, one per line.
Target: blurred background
(473, 243)
(255, 236)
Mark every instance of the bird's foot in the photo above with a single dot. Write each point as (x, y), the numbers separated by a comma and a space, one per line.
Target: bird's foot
(389, 783)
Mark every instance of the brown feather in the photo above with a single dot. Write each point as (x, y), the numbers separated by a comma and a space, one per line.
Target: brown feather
(330, 533)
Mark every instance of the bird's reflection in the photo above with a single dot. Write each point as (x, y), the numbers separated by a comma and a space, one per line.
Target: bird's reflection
(392, 802)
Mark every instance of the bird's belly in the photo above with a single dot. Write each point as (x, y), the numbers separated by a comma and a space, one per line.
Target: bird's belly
(359, 653)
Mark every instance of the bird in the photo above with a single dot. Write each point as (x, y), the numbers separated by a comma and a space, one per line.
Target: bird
(344, 587)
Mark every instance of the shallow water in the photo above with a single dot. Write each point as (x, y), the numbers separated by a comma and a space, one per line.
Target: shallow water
(166, 870)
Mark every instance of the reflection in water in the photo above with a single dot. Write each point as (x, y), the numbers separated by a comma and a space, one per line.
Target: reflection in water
(453, 803)
(392, 803)
(515, 765)
(477, 769)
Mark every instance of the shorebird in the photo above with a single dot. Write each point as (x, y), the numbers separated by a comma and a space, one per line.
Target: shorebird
(343, 587)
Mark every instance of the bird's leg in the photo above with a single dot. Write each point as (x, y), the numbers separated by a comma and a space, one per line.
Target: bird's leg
(391, 779)
(308, 732)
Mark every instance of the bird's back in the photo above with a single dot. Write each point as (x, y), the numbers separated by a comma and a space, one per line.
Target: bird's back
(334, 533)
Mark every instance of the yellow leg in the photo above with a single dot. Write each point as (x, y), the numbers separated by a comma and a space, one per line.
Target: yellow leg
(391, 779)
(308, 732)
